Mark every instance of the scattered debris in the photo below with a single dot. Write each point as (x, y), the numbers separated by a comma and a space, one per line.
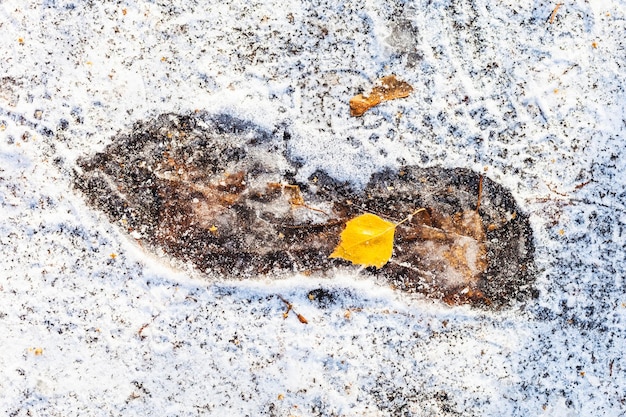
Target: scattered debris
(553, 15)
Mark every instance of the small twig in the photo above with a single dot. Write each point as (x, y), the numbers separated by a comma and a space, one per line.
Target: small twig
(553, 189)
(284, 301)
(553, 15)
(582, 184)
(145, 325)
(480, 192)
(306, 206)
(312, 226)
(301, 318)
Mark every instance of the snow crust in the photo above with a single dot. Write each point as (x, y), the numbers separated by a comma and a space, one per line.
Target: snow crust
(91, 324)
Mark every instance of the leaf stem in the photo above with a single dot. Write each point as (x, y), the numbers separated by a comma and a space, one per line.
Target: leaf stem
(480, 192)
(410, 216)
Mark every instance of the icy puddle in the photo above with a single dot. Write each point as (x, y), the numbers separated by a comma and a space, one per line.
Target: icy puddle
(222, 194)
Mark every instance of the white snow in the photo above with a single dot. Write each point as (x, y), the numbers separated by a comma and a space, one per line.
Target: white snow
(92, 325)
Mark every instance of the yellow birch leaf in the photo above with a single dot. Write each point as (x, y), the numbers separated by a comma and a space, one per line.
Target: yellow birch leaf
(367, 240)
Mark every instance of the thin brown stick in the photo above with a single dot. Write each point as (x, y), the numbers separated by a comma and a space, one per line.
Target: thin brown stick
(310, 208)
(296, 199)
(554, 190)
(480, 192)
(553, 15)
(582, 184)
(301, 318)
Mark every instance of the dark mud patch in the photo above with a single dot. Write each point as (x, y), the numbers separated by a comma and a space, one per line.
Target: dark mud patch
(219, 193)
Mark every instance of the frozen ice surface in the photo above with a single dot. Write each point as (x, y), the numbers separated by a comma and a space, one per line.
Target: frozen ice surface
(220, 194)
(93, 325)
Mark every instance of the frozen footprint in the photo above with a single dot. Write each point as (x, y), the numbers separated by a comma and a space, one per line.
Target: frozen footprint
(219, 193)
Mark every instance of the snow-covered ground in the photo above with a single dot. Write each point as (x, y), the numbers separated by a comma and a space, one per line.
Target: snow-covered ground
(90, 324)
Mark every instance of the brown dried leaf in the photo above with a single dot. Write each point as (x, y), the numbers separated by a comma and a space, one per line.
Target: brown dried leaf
(467, 252)
(453, 246)
(467, 223)
(390, 88)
